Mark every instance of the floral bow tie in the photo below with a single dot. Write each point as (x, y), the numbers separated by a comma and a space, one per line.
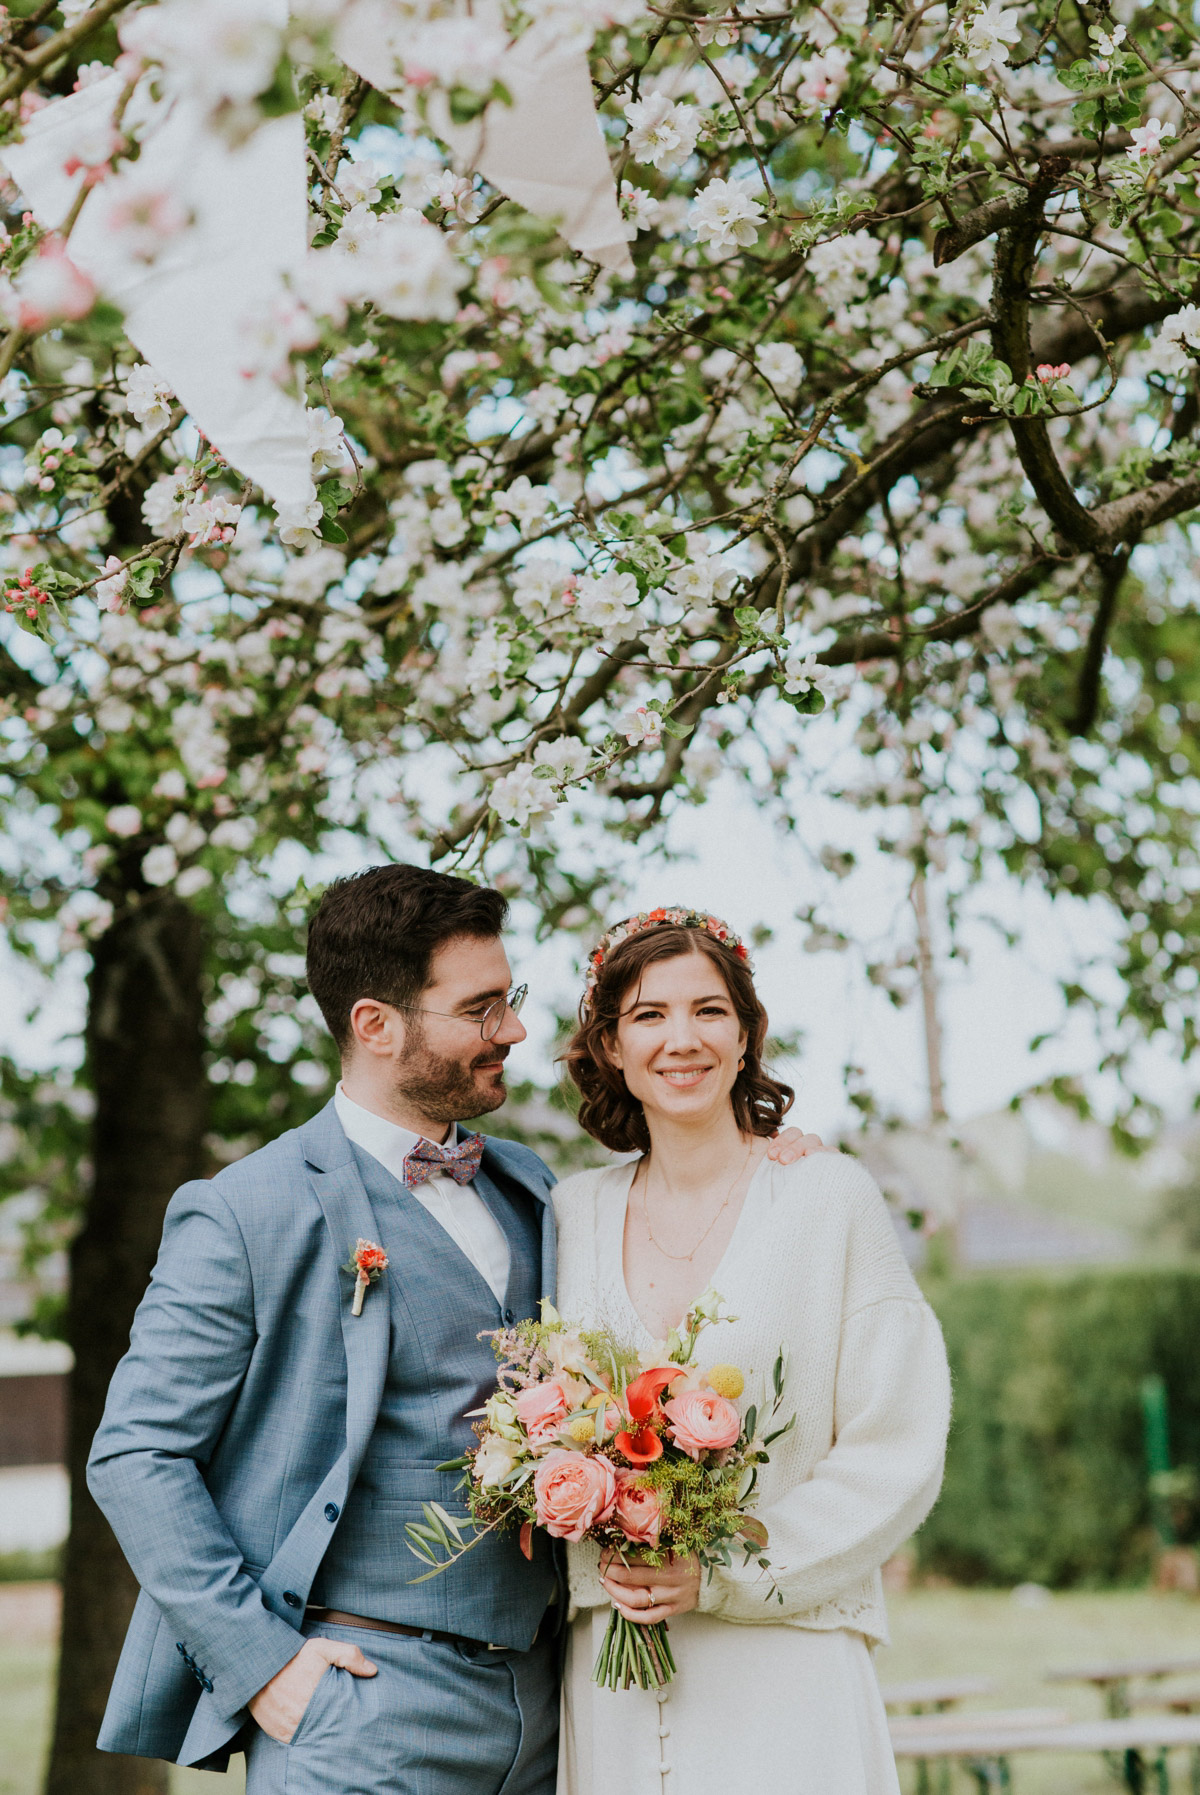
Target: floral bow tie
(428, 1160)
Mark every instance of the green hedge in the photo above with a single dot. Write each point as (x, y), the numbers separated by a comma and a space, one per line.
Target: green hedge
(1045, 1476)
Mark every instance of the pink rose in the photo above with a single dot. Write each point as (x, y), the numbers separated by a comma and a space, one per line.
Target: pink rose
(542, 1409)
(639, 1509)
(702, 1422)
(573, 1493)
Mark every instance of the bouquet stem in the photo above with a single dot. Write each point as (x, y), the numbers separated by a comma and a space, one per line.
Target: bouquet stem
(632, 1653)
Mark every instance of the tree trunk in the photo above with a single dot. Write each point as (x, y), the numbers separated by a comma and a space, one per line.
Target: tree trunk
(145, 1047)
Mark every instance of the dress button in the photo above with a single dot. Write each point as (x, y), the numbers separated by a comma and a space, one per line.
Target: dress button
(207, 1681)
(660, 1695)
(291, 1598)
(331, 1511)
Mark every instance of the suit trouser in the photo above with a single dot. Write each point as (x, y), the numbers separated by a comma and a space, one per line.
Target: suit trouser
(439, 1719)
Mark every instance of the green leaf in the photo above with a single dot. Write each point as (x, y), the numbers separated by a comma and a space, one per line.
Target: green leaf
(331, 532)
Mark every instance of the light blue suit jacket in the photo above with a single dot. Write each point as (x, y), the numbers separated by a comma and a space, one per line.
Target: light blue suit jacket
(235, 1426)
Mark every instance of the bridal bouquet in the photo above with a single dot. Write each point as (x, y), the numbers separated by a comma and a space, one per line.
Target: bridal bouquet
(646, 1454)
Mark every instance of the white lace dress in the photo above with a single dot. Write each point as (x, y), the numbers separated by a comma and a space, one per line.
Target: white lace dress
(778, 1698)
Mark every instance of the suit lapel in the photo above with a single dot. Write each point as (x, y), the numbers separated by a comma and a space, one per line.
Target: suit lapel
(339, 1190)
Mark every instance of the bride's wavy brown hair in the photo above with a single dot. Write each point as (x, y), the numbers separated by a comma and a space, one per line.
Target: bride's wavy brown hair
(608, 1110)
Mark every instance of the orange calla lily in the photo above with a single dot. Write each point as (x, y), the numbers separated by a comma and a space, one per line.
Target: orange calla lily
(641, 1397)
(641, 1448)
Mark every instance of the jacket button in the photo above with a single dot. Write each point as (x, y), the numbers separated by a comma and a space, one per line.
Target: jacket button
(331, 1511)
(292, 1599)
(509, 1317)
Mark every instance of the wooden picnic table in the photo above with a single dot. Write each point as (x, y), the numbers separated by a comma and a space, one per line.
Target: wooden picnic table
(985, 1748)
(1113, 1679)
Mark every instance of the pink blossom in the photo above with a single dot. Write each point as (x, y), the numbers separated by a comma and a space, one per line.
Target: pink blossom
(1047, 372)
(50, 286)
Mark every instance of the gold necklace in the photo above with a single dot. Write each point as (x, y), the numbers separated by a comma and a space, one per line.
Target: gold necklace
(682, 1258)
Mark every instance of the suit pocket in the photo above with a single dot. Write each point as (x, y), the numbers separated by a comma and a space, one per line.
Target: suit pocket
(319, 1702)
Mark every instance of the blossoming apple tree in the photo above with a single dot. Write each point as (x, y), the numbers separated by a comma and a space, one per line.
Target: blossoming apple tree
(890, 415)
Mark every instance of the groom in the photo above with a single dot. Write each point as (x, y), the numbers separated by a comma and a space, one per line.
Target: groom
(264, 1446)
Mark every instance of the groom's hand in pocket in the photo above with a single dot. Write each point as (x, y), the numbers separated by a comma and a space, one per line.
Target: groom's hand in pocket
(648, 1593)
(791, 1144)
(279, 1706)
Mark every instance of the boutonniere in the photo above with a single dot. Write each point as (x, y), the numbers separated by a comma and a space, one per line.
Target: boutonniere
(367, 1262)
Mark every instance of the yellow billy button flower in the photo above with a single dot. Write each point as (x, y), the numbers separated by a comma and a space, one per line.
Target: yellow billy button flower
(726, 1380)
(582, 1429)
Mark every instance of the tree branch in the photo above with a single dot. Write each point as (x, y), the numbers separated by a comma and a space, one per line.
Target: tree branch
(1087, 699)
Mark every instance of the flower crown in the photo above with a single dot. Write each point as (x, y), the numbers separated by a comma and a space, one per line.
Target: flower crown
(675, 918)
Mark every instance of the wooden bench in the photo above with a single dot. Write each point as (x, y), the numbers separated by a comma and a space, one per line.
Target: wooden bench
(984, 1748)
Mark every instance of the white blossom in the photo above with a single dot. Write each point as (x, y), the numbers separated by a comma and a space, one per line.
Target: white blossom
(191, 880)
(358, 183)
(566, 756)
(1180, 332)
(526, 504)
(782, 365)
(216, 50)
(325, 443)
(1148, 139)
(725, 216)
(804, 671)
(163, 503)
(123, 820)
(536, 584)
(184, 834)
(488, 662)
(522, 798)
(236, 832)
(661, 132)
(839, 267)
(603, 601)
(817, 84)
(833, 18)
(990, 34)
(170, 784)
(308, 577)
(299, 521)
(641, 728)
(160, 865)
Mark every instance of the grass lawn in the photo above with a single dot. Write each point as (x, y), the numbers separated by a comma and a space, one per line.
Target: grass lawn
(949, 1632)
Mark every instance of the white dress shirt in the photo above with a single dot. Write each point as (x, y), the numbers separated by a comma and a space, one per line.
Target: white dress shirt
(458, 1208)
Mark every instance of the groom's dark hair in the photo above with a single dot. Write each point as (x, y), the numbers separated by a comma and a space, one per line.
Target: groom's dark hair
(375, 935)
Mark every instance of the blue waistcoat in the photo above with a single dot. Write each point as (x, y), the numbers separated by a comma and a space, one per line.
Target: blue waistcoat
(438, 1370)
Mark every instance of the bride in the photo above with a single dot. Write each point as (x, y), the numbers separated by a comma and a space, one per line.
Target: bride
(668, 1063)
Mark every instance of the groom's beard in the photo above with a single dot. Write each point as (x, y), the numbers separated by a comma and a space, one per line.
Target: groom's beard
(448, 1090)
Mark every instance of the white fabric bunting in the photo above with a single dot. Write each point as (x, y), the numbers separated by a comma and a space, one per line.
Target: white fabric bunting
(545, 151)
(186, 309)
(240, 214)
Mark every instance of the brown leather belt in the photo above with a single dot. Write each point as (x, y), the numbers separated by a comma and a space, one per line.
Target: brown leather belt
(335, 1618)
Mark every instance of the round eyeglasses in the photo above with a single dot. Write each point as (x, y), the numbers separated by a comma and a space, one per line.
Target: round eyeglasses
(492, 1019)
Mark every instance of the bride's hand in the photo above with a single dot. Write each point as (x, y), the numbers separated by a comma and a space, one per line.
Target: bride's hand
(648, 1593)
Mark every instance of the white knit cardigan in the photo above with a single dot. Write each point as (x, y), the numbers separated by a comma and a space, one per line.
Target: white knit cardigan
(815, 1267)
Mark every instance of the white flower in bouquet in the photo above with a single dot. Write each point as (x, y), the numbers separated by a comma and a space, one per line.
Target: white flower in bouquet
(494, 1460)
